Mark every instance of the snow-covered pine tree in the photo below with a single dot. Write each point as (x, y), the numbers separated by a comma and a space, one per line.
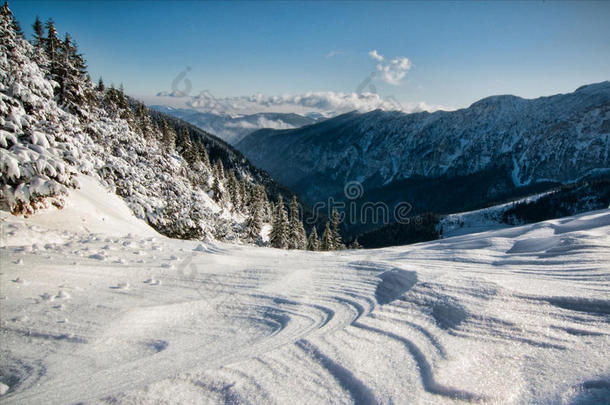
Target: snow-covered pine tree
(185, 146)
(9, 38)
(38, 33)
(217, 194)
(327, 243)
(39, 54)
(280, 227)
(16, 26)
(73, 86)
(255, 220)
(267, 206)
(100, 86)
(219, 170)
(168, 135)
(125, 111)
(336, 237)
(142, 118)
(203, 154)
(52, 46)
(313, 243)
(233, 191)
(298, 237)
(248, 195)
(355, 244)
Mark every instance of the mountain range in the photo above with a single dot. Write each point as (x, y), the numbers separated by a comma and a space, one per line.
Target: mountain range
(232, 128)
(445, 161)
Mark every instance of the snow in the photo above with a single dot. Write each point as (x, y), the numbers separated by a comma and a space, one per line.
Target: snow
(89, 209)
(481, 220)
(511, 316)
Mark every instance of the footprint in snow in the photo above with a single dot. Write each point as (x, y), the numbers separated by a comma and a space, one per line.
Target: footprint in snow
(62, 295)
(19, 262)
(121, 286)
(47, 297)
(98, 256)
(19, 280)
(152, 281)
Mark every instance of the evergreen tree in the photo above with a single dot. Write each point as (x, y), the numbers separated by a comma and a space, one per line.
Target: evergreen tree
(327, 243)
(16, 26)
(100, 86)
(355, 244)
(8, 37)
(125, 111)
(219, 170)
(142, 118)
(70, 93)
(313, 243)
(233, 190)
(38, 33)
(203, 153)
(52, 46)
(183, 141)
(249, 196)
(168, 135)
(267, 206)
(39, 54)
(280, 231)
(336, 237)
(298, 237)
(217, 194)
(255, 220)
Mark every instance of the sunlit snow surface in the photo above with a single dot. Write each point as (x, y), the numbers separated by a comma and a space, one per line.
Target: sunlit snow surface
(92, 314)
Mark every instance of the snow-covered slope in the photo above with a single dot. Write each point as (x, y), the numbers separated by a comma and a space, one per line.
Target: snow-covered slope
(89, 209)
(559, 138)
(485, 219)
(519, 315)
(184, 182)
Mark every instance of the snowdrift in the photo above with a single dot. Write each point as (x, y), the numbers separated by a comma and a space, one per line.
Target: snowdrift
(89, 314)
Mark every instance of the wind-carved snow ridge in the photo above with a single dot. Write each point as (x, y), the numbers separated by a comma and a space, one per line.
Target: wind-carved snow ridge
(515, 315)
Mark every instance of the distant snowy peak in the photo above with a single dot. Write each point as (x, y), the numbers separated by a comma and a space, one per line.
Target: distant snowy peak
(594, 87)
(234, 127)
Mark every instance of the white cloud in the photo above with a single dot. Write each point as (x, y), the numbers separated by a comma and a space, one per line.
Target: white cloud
(373, 54)
(327, 103)
(394, 70)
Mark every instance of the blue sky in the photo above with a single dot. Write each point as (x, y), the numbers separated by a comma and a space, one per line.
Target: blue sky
(458, 52)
